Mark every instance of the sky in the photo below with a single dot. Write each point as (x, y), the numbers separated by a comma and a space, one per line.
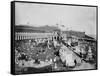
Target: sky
(78, 18)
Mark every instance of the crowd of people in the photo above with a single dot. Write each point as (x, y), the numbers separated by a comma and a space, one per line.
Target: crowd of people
(57, 53)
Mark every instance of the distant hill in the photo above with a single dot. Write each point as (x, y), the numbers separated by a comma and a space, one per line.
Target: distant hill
(93, 36)
(46, 28)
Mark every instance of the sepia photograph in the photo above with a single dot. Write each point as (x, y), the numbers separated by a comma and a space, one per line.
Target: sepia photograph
(52, 37)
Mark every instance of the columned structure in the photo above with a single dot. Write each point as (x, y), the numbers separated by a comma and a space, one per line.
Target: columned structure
(30, 35)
